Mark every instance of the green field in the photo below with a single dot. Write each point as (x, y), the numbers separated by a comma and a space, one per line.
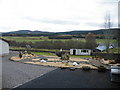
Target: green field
(51, 54)
(43, 53)
(37, 39)
(19, 48)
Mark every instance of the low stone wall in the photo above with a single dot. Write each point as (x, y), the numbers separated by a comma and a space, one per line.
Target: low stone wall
(111, 56)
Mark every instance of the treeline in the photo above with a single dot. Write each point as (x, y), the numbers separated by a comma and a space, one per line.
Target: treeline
(51, 44)
(60, 37)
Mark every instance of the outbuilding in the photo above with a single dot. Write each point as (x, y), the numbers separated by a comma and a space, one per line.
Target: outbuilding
(80, 51)
(4, 47)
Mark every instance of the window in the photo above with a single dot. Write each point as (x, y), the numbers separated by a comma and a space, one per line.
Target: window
(84, 51)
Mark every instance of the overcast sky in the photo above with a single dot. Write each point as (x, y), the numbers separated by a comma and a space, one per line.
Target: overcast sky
(56, 15)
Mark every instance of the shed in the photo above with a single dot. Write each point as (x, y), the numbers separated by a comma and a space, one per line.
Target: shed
(4, 47)
(80, 51)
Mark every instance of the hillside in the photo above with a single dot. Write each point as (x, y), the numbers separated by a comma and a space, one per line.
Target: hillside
(43, 33)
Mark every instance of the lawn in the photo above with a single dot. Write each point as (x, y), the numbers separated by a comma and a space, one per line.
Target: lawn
(43, 53)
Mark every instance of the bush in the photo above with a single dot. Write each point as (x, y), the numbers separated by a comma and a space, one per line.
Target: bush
(117, 60)
(93, 57)
(86, 68)
(105, 58)
(43, 58)
(112, 62)
(101, 69)
(64, 55)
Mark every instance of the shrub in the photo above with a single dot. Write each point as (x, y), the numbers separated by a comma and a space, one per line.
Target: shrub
(86, 68)
(63, 54)
(105, 59)
(101, 69)
(43, 58)
(112, 62)
(93, 57)
(117, 60)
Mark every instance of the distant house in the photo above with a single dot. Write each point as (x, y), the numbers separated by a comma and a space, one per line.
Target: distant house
(80, 51)
(103, 47)
(4, 47)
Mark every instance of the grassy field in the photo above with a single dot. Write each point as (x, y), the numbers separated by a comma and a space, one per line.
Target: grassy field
(19, 48)
(26, 39)
(37, 39)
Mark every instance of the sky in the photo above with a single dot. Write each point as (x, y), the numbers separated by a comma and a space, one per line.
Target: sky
(56, 15)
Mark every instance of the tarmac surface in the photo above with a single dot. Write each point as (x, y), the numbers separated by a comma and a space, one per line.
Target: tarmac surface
(15, 73)
(65, 78)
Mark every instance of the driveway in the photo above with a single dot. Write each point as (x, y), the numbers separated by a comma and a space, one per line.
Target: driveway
(72, 79)
(15, 73)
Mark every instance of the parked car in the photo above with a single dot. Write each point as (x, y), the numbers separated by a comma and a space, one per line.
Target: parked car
(115, 73)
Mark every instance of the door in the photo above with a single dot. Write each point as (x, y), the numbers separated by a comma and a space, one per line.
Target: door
(74, 52)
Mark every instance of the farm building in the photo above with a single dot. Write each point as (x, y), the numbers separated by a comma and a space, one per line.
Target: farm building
(4, 47)
(80, 51)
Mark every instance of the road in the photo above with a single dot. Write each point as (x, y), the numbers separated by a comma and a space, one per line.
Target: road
(72, 79)
(15, 73)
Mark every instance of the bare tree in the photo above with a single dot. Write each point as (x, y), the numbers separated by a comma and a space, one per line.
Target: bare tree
(90, 41)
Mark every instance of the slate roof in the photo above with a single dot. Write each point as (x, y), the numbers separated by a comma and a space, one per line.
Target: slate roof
(4, 39)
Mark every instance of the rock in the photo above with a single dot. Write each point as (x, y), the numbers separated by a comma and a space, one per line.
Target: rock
(72, 68)
(43, 61)
(74, 63)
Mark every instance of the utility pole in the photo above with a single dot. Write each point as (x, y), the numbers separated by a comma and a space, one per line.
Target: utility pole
(107, 31)
(119, 14)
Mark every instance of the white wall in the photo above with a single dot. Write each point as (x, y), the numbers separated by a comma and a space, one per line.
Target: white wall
(71, 51)
(4, 47)
(79, 52)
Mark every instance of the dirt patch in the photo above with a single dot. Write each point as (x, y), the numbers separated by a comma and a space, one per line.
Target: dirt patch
(60, 64)
(53, 61)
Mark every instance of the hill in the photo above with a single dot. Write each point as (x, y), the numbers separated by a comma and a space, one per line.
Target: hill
(43, 33)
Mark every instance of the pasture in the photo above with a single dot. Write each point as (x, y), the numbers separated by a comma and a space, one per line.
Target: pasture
(42, 38)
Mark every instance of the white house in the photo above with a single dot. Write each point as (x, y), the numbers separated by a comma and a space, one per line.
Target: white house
(4, 47)
(80, 51)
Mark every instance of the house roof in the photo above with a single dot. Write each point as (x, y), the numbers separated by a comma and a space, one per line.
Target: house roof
(4, 39)
(103, 47)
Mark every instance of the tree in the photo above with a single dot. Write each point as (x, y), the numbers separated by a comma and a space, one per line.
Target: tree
(90, 41)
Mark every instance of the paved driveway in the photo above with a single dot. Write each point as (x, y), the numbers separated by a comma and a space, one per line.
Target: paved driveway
(15, 73)
(72, 79)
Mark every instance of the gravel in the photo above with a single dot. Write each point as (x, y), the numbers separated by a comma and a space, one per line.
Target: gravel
(16, 73)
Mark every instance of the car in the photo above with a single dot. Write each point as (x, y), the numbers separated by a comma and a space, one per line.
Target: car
(115, 73)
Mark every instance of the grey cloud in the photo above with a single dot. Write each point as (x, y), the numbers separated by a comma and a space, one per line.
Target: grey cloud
(53, 21)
